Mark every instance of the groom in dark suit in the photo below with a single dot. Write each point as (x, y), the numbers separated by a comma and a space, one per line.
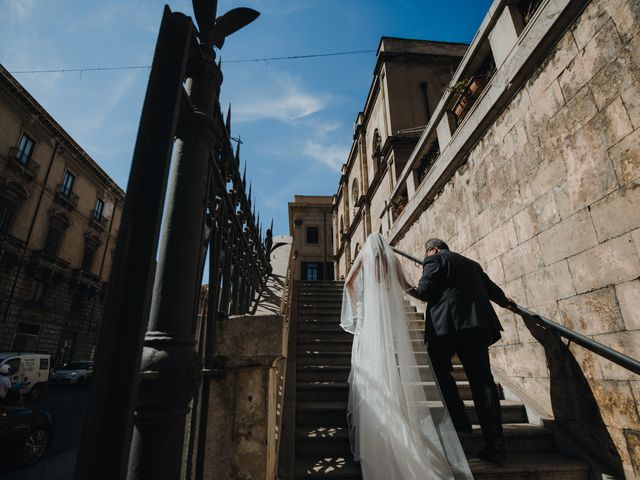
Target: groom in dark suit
(460, 319)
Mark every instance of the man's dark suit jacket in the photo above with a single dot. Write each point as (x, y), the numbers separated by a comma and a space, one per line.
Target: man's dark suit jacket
(458, 294)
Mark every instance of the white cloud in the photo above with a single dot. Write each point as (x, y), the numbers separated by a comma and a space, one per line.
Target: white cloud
(283, 100)
(20, 9)
(332, 155)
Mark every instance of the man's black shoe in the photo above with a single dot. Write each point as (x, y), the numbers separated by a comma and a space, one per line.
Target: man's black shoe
(492, 455)
(464, 428)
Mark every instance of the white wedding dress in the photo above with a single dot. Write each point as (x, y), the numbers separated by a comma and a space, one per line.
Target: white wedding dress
(398, 425)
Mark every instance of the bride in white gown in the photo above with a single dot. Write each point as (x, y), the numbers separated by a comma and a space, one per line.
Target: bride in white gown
(398, 425)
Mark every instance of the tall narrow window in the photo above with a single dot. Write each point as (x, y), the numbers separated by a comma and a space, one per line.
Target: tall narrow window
(25, 149)
(26, 338)
(67, 183)
(52, 242)
(77, 302)
(313, 236)
(7, 209)
(38, 291)
(87, 258)
(97, 212)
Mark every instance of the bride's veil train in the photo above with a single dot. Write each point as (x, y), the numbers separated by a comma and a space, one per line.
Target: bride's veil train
(398, 425)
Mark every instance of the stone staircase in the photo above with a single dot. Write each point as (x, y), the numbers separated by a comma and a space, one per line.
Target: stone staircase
(321, 434)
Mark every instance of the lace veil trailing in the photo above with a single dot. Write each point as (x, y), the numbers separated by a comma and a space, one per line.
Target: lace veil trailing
(398, 425)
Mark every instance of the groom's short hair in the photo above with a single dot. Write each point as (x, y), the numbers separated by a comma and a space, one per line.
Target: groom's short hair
(435, 243)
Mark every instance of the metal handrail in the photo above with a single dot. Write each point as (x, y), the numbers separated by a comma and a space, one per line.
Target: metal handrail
(610, 354)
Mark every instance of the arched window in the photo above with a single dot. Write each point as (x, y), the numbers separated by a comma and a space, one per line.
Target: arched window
(376, 148)
(355, 192)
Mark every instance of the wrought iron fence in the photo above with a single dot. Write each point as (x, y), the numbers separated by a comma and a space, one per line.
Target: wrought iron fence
(151, 348)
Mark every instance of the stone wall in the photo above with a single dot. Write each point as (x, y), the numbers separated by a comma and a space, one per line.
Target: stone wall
(548, 202)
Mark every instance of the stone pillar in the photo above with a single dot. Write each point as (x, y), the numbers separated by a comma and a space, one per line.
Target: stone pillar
(445, 129)
(505, 33)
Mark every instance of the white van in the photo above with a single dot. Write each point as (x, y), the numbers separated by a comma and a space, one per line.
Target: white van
(29, 370)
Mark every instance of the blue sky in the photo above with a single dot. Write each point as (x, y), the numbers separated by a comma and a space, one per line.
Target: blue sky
(295, 117)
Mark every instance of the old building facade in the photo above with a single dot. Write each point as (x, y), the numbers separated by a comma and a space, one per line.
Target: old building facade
(409, 78)
(530, 164)
(59, 216)
(310, 226)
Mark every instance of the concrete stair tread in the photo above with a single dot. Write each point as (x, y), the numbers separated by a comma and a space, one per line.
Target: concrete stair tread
(327, 467)
(531, 465)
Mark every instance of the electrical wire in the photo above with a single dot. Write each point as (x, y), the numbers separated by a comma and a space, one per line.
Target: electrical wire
(245, 60)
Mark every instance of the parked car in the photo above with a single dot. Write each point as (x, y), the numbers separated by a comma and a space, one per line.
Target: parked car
(30, 371)
(25, 435)
(73, 372)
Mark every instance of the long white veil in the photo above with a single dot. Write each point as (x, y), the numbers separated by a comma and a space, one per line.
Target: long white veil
(398, 425)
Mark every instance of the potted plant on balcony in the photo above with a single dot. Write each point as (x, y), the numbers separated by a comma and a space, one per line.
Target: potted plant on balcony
(468, 90)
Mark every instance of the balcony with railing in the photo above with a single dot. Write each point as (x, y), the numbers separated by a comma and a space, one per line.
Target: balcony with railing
(65, 197)
(97, 220)
(22, 165)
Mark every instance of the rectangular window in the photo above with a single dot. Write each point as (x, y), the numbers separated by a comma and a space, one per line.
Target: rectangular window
(97, 212)
(26, 338)
(67, 183)
(52, 242)
(38, 291)
(7, 210)
(313, 235)
(310, 271)
(77, 302)
(87, 258)
(25, 149)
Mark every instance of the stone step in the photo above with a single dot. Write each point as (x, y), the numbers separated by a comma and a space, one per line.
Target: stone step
(325, 441)
(309, 373)
(322, 391)
(318, 317)
(338, 391)
(320, 327)
(518, 437)
(531, 466)
(312, 357)
(320, 373)
(326, 336)
(321, 414)
(327, 467)
(335, 345)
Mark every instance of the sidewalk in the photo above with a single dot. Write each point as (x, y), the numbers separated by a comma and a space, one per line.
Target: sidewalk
(59, 467)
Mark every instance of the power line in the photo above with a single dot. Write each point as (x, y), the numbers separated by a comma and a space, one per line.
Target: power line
(245, 60)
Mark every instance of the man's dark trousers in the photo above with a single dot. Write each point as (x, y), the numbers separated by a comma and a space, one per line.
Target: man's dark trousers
(472, 349)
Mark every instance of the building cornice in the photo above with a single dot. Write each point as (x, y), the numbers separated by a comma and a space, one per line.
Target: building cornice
(19, 93)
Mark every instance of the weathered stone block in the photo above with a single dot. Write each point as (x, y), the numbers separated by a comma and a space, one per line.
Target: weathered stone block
(571, 236)
(577, 112)
(612, 262)
(545, 103)
(527, 360)
(592, 19)
(625, 157)
(522, 259)
(617, 213)
(626, 16)
(537, 217)
(500, 240)
(599, 51)
(635, 235)
(590, 174)
(509, 336)
(550, 174)
(549, 284)
(496, 271)
(616, 402)
(592, 313)
(627, 343)
(628, 295)
(515, 290)
(561, 56)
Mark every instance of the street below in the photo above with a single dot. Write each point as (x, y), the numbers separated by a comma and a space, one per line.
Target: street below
(67, 405)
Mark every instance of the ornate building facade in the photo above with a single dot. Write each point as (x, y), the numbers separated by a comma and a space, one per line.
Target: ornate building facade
(409, 78)
(310, 226)
(59, 217)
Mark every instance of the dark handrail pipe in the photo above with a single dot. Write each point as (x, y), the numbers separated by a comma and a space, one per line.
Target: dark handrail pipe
(610, 354)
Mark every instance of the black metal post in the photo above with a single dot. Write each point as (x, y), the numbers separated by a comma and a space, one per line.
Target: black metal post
(104, 451)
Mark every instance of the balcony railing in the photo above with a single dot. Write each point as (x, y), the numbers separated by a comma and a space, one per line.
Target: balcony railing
(9, 242)
(97, 220)
(66, 197)
(25, 166)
